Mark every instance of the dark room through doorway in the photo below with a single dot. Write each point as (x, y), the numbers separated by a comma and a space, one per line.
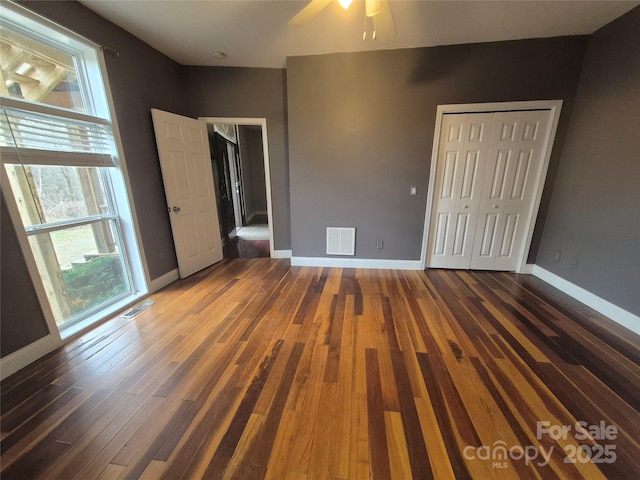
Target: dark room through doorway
(239, 180)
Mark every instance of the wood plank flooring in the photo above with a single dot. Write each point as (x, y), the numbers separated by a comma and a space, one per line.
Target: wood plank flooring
(242, 248)
(252, 369)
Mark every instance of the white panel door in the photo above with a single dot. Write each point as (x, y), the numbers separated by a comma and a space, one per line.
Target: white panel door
(464, 144)
(512, 171)
(185, 160)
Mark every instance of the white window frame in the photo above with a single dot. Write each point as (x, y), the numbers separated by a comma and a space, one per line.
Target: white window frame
(92, 74)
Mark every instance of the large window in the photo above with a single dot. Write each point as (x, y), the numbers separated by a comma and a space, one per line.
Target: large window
(62, 168)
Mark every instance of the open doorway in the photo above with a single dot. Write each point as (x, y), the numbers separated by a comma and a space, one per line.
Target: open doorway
(240, 170)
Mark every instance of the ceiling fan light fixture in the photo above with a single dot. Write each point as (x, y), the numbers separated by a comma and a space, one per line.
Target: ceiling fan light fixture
(345, 3)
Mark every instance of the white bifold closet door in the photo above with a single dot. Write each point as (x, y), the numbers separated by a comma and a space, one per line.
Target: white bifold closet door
(488, 165)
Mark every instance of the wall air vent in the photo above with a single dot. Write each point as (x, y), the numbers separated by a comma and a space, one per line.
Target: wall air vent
(341, 241)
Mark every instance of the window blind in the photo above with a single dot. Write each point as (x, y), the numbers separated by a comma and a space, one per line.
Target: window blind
(38, 138)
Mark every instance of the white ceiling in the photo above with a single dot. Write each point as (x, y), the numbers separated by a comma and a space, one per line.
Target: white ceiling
(254, 33)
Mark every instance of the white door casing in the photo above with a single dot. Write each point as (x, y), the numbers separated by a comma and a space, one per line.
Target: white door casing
(185, 161)
(510, 192)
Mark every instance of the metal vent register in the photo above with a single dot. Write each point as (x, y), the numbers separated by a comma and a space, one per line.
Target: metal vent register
(137, 309)
(341, 241)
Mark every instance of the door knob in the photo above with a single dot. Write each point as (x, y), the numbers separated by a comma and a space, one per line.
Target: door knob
(176, 209)
(465, 206)
(496, 206)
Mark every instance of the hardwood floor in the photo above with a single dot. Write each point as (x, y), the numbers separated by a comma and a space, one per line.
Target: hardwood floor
(242, 248)
(254, 369)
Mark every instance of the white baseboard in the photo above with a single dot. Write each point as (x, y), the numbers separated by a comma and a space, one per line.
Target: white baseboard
(281, 254)
(164, 280)
(356, 263)
(26, 355)
(527, 269)
(615, 313)
(260, 212)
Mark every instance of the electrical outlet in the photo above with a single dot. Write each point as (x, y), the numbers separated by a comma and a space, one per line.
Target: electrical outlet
(556, 256)
(574, 262)
(379, 244)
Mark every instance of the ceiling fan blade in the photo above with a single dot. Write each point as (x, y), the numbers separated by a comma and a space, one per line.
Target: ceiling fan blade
(308, 12)
(383, 23)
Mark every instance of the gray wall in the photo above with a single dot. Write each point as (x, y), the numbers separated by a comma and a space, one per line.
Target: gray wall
(247, 171)
(250, 140)
(361, 128)
(257, 166)
(22, 319)
(135, 91)
(250, 93)
(595, 207)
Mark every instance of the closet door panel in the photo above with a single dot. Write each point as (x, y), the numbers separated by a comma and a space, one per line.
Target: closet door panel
(464, 144)
(513, 164)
